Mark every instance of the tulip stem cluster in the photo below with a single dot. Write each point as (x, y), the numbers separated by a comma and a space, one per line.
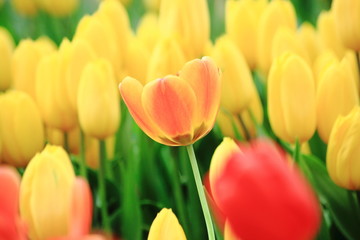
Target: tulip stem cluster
(201, 192)
(102, 187)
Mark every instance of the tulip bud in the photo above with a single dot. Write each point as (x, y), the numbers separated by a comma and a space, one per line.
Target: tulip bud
(46, 193)
(22, 130)
(291, 98)
(343, 151)
(336, 95)
(55, 136)
(347, 22)
(278, 13)
(322, 62)
(285, 40)
(308, 37)
(289, 211)
(242, 20)
(148, 30)
(98, 101)
(6, 50)
(328, 34)
(166, 226)
(237, 82)
(58, 8)
(25, 7)
(51, 94)
(177, 18)
(100, 35)
(11, 227)
(167, 58)
(176, 110)
(24, 63)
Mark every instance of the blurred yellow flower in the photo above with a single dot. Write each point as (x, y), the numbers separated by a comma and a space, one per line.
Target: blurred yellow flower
(59, 8)
(6, 50)
(25, 7)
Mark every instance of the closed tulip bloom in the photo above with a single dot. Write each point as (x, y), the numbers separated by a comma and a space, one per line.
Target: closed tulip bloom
(58, 8)
(278, 13)
(189, 21)
(285, 40)
(101, 37)
(25, 7)
(167, 58)
(51, 94)
(166, 226)
(176, 110)
(322, 62)
(337, 94)
(55, 136)
(343, 151)
(291, 99)
(46, 193)
(25, 59)
(6, 50)
(22, 130)
(308, 37)
(347, 22)
(80, 54)
(98, 101)
(148, 30)
(236, 78)
(242, 20)
(11, 226)
(289, 211)
(92, 151)
(328, 33)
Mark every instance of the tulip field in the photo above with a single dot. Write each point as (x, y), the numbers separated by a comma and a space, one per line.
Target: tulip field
(179, 119)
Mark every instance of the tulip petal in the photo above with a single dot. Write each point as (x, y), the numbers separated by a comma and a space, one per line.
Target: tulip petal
(204, 78)
(170, 102)
(131, 91)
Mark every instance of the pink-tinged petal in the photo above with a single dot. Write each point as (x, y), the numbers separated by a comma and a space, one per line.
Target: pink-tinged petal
(81, 209)
(131, 91)
(204, 78)
(170, 102)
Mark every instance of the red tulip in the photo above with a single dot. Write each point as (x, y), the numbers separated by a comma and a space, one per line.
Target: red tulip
(11, 226)
(176, 110)
(264, 198)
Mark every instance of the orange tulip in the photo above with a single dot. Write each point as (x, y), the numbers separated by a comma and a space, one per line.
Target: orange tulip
(176, 110)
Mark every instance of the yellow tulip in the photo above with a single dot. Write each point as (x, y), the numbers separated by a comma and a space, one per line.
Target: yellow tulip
(51, 94)
(325, 59)
(58, 8)
(79, 55)
(278, 13)
(152, 5)
(291, 98)
(24, 63)
(22, 130)
(46, 193)
(343, 151)
(148, 30)
(285, 40)
(236, 77)
(92, 151)
(98, 100)
(350, 56)
(167, 58)
(101, 37)
(137, 59)
(189, 21)
(25, 7)
(56, 137)
(166, 226)
(308, 37)
(347, 22)
(242, 20)
(6, 49)
(336, 95)
(113, 13)
(328, 34)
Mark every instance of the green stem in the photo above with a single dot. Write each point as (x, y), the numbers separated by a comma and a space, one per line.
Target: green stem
(83, 171)
(296, 154)
(102, 187)
(201, 193)
(242, 123)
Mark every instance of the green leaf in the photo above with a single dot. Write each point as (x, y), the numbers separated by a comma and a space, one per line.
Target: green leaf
(342, 205)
